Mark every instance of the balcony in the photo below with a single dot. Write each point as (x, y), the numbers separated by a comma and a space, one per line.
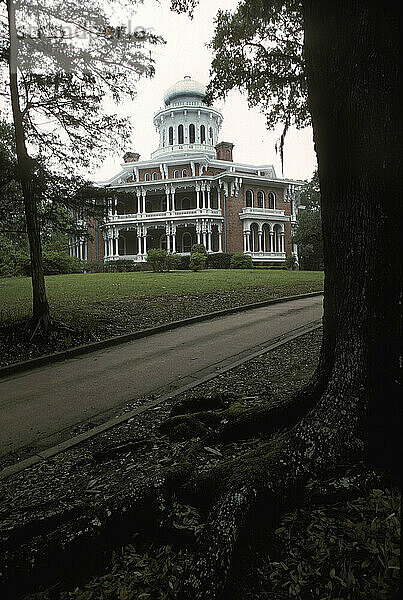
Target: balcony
(184, 149)
(264, 212)
(192, 213)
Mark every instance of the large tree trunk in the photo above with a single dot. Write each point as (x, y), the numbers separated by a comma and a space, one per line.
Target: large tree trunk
(41, 315)
(352, 60)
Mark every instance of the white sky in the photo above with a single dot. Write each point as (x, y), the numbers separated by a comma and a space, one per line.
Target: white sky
(185, 53)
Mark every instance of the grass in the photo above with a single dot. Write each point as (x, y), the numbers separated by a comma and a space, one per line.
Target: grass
(86, 293)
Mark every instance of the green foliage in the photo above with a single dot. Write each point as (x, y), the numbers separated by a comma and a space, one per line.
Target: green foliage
(220, 260)
(198, 248)
(345, 550)
(258, 50)
(239, 260)
(197, 261)
(157, 259)
(308, 232)
(291, 262)
(116, 266)
(54, 263)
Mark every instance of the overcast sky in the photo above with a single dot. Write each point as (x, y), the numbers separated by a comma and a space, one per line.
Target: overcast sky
(185, 53)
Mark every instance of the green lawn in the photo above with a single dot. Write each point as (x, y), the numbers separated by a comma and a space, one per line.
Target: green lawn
(85, 293)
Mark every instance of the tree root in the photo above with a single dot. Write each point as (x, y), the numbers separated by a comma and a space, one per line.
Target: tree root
(318, 442)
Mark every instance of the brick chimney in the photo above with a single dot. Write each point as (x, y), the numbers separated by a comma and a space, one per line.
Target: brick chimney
(131, 157)
(224, 151)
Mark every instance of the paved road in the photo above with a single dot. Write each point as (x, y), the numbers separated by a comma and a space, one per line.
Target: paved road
(38, 408)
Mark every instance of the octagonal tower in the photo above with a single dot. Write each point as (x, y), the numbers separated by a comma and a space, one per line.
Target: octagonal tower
(186, 125)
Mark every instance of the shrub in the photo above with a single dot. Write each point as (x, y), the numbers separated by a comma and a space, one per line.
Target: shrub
(291, 262)
(241, 261)
(219, 261)
(119, 266)
(184, 263)
(157, 259)
(198, 249)
(54, 263)
(197, 261)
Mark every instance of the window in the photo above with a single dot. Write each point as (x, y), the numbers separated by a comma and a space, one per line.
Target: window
(192, 134)
(249, 198)
(149, 206)
(180, 134)
(147, 177)
(163, 137)
(260, 199)
(272, 200)
(176, 174)
(171, 135)
(185, 203)
(211, 134)
(155, 176)
(202, 134)
(184, 173)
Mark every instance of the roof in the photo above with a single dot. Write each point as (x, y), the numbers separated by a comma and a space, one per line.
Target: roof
(185, 87)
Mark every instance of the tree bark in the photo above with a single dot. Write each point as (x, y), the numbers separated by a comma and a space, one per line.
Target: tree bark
(351, 52)
(41, 314)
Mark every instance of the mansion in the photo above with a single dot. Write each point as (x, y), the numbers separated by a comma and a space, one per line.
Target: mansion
(191, 191)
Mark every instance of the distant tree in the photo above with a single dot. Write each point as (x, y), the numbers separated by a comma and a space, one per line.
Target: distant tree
(62, 60)
(308, 232)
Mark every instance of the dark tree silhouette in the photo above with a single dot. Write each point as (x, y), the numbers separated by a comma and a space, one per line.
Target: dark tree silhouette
(346, 76)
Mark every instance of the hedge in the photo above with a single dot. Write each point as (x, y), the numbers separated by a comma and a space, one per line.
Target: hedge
(241, 261)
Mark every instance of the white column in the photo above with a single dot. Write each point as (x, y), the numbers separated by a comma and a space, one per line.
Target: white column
(198, 231)
(143, 197)
(219, 198)
(272, 249)
(209, 238)
(245, 242)
(282, 241)
(260, 234)
(248, 241)
(205, 238)
(173, 199)
(145, 242)
(203, 205)
(139, 242)
(105, 248)
(168, 234)
(174, 238)
(168, 197)
(220, 238)
(198, 198)
(208, 197)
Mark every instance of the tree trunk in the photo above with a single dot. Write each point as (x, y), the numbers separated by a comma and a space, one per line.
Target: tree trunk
(41, 315)
(352, 52)
(352, 59)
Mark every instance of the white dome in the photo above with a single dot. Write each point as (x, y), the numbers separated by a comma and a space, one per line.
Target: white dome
(185, 87)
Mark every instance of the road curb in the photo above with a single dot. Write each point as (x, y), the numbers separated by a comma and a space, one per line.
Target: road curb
(82, 437)
(46, 359)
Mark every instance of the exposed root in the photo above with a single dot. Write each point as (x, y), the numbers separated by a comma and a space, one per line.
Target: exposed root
(318, 442)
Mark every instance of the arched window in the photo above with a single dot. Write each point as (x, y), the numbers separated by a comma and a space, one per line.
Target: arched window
(186, 242)
(180, 134)
(176, 174)
(147, 177)
(211, 134)
(272, 200)
(163, 137)
(249, 198)
(260, 199)
(202, 134)
(155, 176)
(185, 203)
(192, 134)
(184, 173)
(171, 135)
